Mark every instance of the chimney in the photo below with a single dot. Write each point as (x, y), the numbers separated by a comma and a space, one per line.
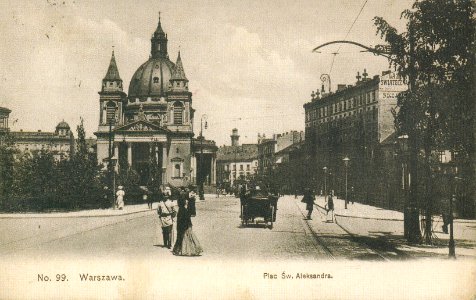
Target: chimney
(235, 137)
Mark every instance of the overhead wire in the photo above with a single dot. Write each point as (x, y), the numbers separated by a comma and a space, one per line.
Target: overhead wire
(346, 35)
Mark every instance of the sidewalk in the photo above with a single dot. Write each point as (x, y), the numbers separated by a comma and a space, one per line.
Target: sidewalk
(380, 226)
(108, 212)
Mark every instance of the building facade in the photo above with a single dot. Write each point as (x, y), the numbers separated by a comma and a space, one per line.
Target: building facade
(60, 143)
(151, 127)
(267, 149)
(354, 122)
(4, 116)
(236, 162)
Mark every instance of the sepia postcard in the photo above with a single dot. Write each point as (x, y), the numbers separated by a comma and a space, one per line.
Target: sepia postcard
(237, 149)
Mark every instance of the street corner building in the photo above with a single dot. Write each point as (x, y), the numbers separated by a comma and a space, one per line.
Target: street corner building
(356, 122)
(153, 123)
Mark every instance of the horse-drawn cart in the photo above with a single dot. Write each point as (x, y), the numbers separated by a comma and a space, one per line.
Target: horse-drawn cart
(256, 206)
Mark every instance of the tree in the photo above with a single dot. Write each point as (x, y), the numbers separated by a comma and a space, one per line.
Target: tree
(7, 152)
(436, 56)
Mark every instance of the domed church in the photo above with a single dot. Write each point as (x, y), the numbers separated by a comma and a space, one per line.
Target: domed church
(150, 129)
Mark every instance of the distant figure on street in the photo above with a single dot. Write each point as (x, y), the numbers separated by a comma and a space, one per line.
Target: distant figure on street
(120, 197)
(243, 195)
(192, 197)
(309, 200)
(166, 212)
(445, 214)
(147, 198)
(187, 243)
(330, 205)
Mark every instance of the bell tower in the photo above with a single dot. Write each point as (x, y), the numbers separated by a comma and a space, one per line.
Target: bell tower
(111, 96)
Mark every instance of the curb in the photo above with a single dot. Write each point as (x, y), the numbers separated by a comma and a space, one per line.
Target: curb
(461, 221)
(25, 216)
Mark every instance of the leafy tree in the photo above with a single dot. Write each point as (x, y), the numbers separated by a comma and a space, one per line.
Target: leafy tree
(7, 152)
(436, 56)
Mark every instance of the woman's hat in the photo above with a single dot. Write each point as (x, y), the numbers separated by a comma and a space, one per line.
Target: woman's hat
(120, 187)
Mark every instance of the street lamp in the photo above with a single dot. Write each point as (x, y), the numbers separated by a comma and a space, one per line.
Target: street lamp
(203, 119)
(453, 170)
(346, 164)
(325, 182)
(411, 226)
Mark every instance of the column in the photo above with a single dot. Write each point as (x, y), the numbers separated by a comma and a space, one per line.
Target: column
(193, 166)
(164, 163)
(213, 170)
(116, 156)
(129, 154)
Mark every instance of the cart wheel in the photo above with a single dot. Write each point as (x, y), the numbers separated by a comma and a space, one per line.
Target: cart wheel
(271, 218)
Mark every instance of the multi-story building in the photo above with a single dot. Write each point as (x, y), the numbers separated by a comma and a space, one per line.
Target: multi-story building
(60, 142)
(236, 161)
(355, 122)
(267, 149)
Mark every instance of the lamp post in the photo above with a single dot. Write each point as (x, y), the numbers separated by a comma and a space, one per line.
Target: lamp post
(451, 243)
(411, 225)
(202, 120)
(325, 182)
(346, 164)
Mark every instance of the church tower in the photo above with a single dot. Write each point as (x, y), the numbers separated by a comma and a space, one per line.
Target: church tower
(159, 43)
(111, 97)
(179, 100)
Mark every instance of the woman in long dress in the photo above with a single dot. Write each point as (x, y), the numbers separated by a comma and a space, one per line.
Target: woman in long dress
(187, 243)
(120, 197)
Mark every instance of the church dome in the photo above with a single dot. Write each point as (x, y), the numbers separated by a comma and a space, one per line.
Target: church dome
(152, 78)
(62, 125)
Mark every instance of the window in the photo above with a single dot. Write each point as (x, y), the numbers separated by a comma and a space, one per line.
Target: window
(248, 167)
(241, 167)
(178, 113)
(177, 170)
(156, 79)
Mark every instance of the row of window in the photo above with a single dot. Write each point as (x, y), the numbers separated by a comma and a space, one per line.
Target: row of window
(248, 167)
(368, 116)
(342, 105)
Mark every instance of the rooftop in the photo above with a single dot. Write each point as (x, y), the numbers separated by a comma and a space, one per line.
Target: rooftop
(244, 152)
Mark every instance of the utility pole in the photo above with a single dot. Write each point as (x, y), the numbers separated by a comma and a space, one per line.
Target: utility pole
(201, 192)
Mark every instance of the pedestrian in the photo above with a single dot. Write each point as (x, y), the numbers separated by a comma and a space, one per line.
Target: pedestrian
(445, 214)
(243, 195)
(309, 200)
(192, 197)
(330, 205)
(166, 212)
(120, 197)
(146, 197)
(187, 243)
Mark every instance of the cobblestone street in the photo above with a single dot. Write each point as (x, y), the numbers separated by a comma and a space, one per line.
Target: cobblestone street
(217, 225)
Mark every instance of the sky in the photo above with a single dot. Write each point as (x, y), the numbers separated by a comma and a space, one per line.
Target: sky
(250, 63)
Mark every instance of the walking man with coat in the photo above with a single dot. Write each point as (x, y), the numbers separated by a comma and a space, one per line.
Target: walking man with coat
(166, 212)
